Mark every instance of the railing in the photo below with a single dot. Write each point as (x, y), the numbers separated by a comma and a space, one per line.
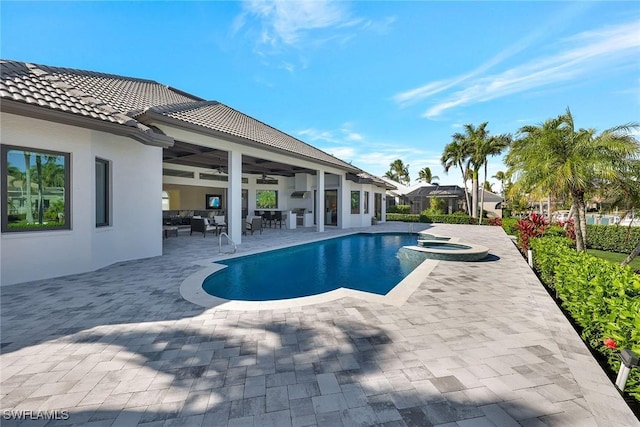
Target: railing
(231, 243)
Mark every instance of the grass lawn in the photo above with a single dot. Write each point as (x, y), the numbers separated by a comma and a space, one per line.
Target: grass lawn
(615, 258)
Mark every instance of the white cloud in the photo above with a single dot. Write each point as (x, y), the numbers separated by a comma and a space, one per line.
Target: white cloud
(581, 56)
(302, 24)
(349, 145)
(287, 22)
(312, 134)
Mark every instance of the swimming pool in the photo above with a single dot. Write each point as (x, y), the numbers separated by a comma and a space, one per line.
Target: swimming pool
(365, 262)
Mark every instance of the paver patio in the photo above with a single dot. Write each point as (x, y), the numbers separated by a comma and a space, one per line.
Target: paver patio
(478, 344)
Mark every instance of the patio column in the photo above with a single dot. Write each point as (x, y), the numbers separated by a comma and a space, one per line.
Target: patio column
(320, 201)
(344, 206)
(372, 203)
(362, 223)
(383, 214)
(234, 215)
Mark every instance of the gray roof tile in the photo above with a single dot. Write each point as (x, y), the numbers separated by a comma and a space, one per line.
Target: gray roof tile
(221, 118)
(121, 100)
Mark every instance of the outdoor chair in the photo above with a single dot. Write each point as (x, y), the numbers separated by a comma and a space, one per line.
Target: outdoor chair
(253, 224)
(220, 223)
(277, 218)
(201, 225)
(268, 217)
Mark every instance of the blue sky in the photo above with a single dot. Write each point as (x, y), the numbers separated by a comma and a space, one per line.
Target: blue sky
(369, 82)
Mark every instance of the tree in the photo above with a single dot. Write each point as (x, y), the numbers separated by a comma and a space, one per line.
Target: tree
(436, 206)
(502, 177)
(399, 172)
(488, 186)
(477, 146)
(555, 158)
(27, 168)
(456, 153)
(486, 147)
(426, 176)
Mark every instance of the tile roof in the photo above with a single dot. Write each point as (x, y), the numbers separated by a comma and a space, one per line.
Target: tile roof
(27, 84)
(123, 100)
(222, 118)
(437, 190)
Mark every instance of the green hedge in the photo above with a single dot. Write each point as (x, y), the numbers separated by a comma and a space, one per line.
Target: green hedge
(403, 217)
(603, 298)
(401, 209)
(613, 238)
(509, 225)
(446, 219)
(443, 219)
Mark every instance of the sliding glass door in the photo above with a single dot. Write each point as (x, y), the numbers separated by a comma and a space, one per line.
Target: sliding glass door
(331, 207)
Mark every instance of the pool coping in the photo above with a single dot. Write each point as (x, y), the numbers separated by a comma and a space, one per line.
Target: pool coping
(191, 287)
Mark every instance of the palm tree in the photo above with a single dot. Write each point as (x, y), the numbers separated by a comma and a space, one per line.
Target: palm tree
(485, 147)
(398, 172)
(426, 176)
(456, 153)
(502, 177)
(555, 158)
(478, 147)
(27, 168)
(488, 186)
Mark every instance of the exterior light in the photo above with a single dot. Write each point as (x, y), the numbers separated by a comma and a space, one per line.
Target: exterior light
(629, 360)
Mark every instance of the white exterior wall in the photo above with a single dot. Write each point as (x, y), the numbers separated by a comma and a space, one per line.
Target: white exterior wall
(136, 204)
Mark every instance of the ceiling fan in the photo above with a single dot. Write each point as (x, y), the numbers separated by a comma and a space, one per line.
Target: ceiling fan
(267, 177)
(220, 169)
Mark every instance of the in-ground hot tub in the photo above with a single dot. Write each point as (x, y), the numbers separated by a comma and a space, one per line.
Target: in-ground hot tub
(442, 248)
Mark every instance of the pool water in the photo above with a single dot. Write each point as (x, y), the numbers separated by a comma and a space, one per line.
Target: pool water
(443, 246)
(365, 262)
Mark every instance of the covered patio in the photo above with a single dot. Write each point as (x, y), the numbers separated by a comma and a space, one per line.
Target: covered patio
(477, 344)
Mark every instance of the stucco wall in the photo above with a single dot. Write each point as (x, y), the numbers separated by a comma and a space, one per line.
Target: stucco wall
(136, 204)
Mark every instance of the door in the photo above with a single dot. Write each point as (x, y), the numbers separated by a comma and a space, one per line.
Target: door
(245, 203)
(331, 207)
(377, 205)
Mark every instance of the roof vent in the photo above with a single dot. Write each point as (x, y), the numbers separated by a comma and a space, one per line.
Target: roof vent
(299, 194)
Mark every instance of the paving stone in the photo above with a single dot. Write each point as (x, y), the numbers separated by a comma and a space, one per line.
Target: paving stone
(360, 416)
(328, 383)
(474, 343)
(447, 384)
(277, 399)
(329, 403)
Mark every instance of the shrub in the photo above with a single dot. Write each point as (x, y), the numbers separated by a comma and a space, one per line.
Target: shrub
(532, 226)
(548, 253)
(613, 238)
(401, 209)
(425, 216)
(603, 299)
(509, 225)
(436, 206)
(403, 217)
(494, 221)
(555, 230)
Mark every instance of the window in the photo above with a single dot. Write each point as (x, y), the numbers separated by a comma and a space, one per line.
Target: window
(355, 202)
(36, 189)
(366, 202)
(102, 193)
(178, 173)
(266, 199)
(165, 201)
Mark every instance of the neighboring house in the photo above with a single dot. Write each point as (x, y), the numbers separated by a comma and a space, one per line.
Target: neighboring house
(418, 195)
(452, 195)
(90, 160)
(492, 204)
